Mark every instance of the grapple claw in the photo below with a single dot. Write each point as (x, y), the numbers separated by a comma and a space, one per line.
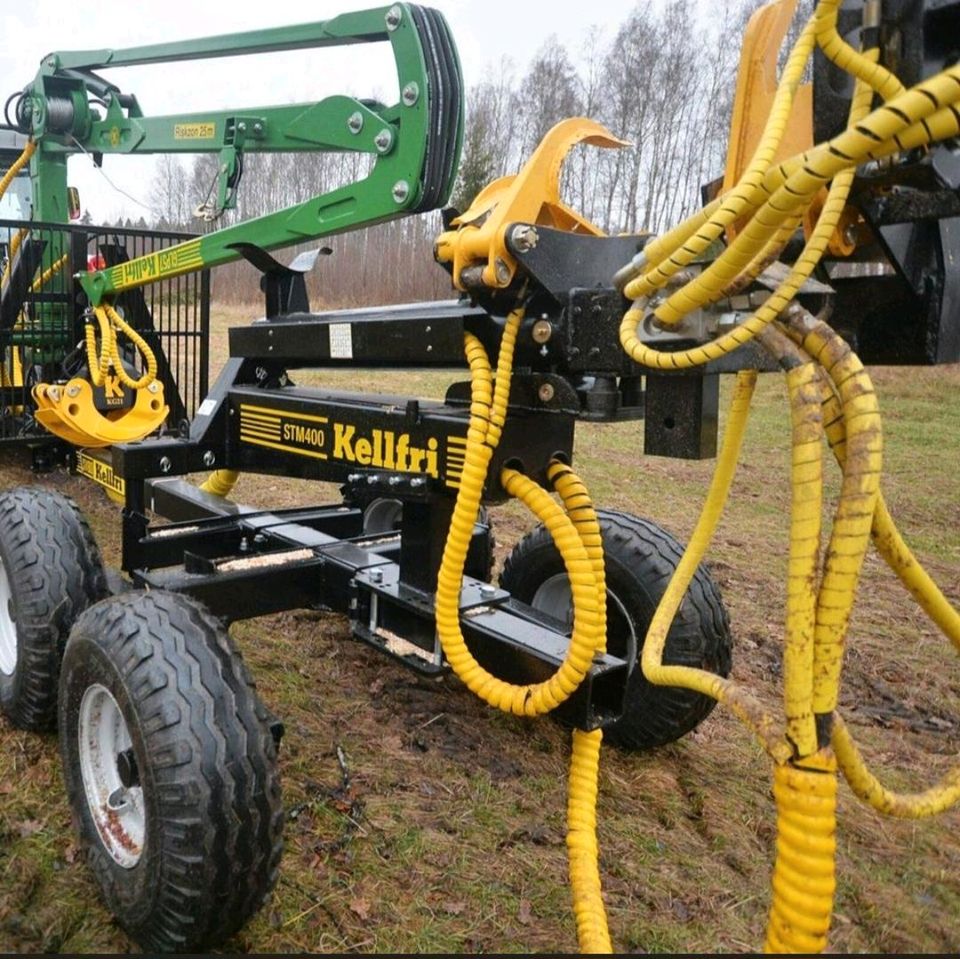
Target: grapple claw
(532, 197)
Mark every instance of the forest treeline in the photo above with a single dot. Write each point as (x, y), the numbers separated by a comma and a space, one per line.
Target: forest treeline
(663, 80)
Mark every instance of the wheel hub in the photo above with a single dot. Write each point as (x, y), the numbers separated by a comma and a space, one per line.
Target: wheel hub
(111, 778)
(8, 628)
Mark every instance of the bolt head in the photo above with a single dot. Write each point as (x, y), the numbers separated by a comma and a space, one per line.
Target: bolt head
(165, 464)
(524, 237)
(393, 18)
(502, 271)
(542, 331)
(209, 458)
(401, 190)
(154, 387)
(355, 123)
(73, 390)
(410, 95)
(383, 140)
(546, 392)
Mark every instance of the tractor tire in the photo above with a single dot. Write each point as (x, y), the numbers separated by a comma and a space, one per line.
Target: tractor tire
(170, 769)
(50, 571)
(640, 558)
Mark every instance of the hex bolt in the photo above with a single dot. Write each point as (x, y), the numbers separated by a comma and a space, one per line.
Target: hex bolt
(355, 123)
(502, 271)
(542, 331)
(383, 140)
(393, 18)
(165, 464)
(354, 478)
(546, 392)
(410, 95)
(373, 479)
(417, 482)
(524, 237)
(376, 576)
(394, 481)
(209, 458)
(241, 127)
(258, 127)
(401, 190)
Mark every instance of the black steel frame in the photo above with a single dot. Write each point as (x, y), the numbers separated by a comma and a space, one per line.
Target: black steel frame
(46, 324)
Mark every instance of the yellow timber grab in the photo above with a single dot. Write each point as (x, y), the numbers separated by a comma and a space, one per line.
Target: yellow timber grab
(111, 405)
(477, 247)
(108, 406)
(766, 197)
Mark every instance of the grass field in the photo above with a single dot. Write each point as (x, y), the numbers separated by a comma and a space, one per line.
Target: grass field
(449, 836)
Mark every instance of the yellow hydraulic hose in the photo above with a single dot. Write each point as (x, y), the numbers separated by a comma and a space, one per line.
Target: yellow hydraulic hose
(803, 875)
(667, 255)
(17, 165)
(576, 533)
(886, 537)
(835, 48)
(110, 322)
(15, 242)
(854, 516)
(867, 787)
(830, 393)
(802, 573)
(723, 689)
(49, 273)
(220, 482)
(592, 932)
(814, 249)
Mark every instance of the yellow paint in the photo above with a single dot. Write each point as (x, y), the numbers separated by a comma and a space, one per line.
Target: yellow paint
(194, 131)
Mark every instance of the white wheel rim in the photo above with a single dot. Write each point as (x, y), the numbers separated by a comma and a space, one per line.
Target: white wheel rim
(117, 809)
(8, 628)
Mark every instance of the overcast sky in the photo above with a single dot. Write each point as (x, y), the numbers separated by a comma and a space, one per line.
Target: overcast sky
(486, 31)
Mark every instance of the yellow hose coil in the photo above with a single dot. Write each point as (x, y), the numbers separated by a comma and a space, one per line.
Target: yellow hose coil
(110, 322)
(749, 250)
(804, 561)
(803, 876)
(576, 533)
(582, 849)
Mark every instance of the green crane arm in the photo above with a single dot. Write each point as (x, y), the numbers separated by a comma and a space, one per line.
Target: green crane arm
(415, 143)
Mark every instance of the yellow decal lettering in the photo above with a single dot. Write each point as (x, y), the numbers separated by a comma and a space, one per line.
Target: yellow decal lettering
(194, 131)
